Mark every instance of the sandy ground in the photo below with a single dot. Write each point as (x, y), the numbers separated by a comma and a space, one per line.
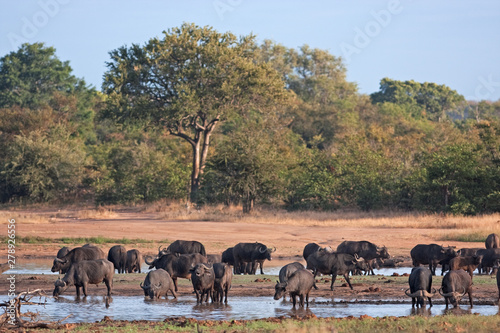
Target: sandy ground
(217, 236)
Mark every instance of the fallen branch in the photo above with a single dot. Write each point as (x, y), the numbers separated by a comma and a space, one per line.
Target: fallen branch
(13, 316)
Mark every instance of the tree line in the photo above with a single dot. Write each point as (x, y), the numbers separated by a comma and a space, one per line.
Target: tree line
(214, 118)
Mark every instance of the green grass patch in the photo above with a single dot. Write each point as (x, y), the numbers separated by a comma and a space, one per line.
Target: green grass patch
(452, 322)
(469, 237)
(99, 240)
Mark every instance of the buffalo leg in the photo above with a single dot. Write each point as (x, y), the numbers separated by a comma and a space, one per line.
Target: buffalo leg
(470, 298)
(108, 285)
(430, 302)
(173, 293)
(84, 289)
(307, 299)
(260, 265)
(346, 276)
(301, 300)
(175, 283)
(294, 301)
(77, 291)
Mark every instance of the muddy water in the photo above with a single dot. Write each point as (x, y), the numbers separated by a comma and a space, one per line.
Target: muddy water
(129, 308)
(42, 266)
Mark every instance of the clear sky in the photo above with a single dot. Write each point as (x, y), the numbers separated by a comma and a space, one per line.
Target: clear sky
(451, 42)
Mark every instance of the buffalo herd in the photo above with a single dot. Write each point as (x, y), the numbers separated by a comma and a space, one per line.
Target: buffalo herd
(211, 274)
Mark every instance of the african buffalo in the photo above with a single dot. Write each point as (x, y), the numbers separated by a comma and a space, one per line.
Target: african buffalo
(431, 254)
(134, 260)
(222, 284)
(158, 283)
(365, 250)
(250, 252)
(213, 258)
(498, 284)
(313, 247)
(420, 282)
(334, 264)
(60, 254)
(468, 264)
(492, 241)
(203, 278)
(468, 251)
(454, 286)
(490, 258)
(184, 247)
(77, 254)
(299, 284)
(177, 265)
(85, 272)
(118, 256)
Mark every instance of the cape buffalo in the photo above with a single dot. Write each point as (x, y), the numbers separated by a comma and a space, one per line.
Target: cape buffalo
(365, 250)
(490, 258)
(203, 279)
(85, 272)
(468, 264)
(250, 252)
(76, 255)
(184, 247)
(299, 284)
(313, 247)
(158, 283)
(118, 256)
(454, 286)
(431, 254)
(60, 254)
(420, 282)
(134, 260)
(334, 264)
(177, 265)
(492, 241)
(222, 284)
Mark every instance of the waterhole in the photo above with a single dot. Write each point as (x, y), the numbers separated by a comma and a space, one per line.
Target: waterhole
(93, 308)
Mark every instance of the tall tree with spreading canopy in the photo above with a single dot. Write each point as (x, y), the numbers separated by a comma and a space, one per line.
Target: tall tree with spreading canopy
(434, 100)
(187, 82)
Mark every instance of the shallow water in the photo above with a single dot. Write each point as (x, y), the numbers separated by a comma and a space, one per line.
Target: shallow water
(129, 308)
(43, 266)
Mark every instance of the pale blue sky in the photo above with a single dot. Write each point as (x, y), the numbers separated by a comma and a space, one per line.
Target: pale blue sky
(451, 42)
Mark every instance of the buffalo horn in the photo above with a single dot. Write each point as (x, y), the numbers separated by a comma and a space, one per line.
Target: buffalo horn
(142, 286)
(418, 293)
(60, 260)
(263, 251)
(150, 261)
(274, 249)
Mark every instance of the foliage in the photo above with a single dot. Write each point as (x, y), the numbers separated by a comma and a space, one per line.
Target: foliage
(42, 168)
(433, 99)
(137, 172)
(249, 165)
(188, 82)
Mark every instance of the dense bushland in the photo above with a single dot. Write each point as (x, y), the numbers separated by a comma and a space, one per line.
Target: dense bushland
(208, 117)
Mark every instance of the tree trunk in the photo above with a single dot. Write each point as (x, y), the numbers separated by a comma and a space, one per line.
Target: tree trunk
(195, 173)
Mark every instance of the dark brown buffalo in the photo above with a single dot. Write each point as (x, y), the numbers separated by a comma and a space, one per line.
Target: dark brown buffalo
(454, 286)
(420, 282)
(134, 260)
(431, 254)
(334, 264)
(184, 247)
(77, 254)
(203, 278)
(177, 265)
(86, 272)
(492, 241)
(313, 247)
(468, 264)
(365, 250)
(299, 284)
(118, 256)
(244, 253)
(222, 284)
